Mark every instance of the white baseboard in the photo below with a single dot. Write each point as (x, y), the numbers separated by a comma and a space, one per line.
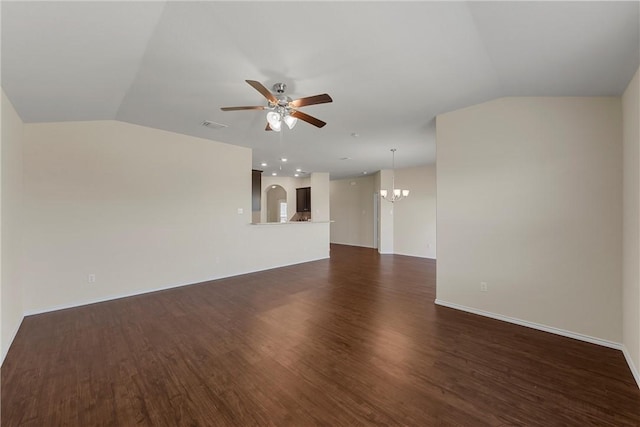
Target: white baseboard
(383, 253)
(352, 244)
(413, 255)
(13, 336)
(632, 366)
(148, 291)
(550, 329)
(532, 325)
(107, 298)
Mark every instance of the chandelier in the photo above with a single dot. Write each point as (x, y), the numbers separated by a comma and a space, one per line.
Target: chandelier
(396, 193)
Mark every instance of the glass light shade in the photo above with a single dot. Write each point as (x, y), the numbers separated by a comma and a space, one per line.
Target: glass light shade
(383, 193)
(405, 193)
(273, 119)
(397, 192)
(290, 121)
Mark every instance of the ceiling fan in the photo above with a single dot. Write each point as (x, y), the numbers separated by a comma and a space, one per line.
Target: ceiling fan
(282, 108)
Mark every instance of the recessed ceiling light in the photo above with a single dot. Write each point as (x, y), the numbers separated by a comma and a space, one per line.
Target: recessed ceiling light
(345, 158)
(296, 174)
(274, 174)
(263, 164)
(283, 159)
(298, 170)
(355, 134)
(273, 186)
(365, 172)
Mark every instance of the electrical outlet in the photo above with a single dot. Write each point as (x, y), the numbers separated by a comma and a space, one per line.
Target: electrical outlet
(92, 278)
(483, 286)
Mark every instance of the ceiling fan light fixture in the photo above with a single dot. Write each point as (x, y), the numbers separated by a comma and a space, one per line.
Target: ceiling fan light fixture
(383, 193)
(290, 121)
(273, 119)
(281, 106)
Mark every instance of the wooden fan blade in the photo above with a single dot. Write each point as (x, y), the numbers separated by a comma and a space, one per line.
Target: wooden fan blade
(263, 90)
(256, 107)
(268, 127)
(311, 100)
(307, 118)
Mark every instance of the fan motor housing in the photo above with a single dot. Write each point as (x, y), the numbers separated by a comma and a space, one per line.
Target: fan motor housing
(279, 87)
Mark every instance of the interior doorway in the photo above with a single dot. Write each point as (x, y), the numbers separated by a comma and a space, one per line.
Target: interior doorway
(276, 199)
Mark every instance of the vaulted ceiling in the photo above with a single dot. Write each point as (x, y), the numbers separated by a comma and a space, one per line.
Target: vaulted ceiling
(390, 67)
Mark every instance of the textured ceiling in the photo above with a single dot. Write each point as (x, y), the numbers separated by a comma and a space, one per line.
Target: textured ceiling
(390, 67)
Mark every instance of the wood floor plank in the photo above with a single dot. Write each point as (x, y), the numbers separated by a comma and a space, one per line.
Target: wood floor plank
(355, 340)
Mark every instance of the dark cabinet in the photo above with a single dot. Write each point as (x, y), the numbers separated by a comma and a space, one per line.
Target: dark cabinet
(303, 199)
(256, 189)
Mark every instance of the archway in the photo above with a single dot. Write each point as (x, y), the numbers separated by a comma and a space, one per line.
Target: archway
(276, 204)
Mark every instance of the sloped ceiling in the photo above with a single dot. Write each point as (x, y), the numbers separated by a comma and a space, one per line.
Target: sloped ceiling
(390, 67)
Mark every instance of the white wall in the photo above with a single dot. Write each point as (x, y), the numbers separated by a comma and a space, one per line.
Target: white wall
(414, 218)
(11, 225)
(530, 202)
(142, 209)
(352, 211)
(385, 213)
(631, 220)
(319, 183)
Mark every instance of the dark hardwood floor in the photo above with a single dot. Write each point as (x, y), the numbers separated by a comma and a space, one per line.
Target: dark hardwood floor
(355, 340)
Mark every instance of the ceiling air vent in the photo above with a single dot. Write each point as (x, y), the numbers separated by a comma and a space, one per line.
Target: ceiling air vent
(213, 125)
